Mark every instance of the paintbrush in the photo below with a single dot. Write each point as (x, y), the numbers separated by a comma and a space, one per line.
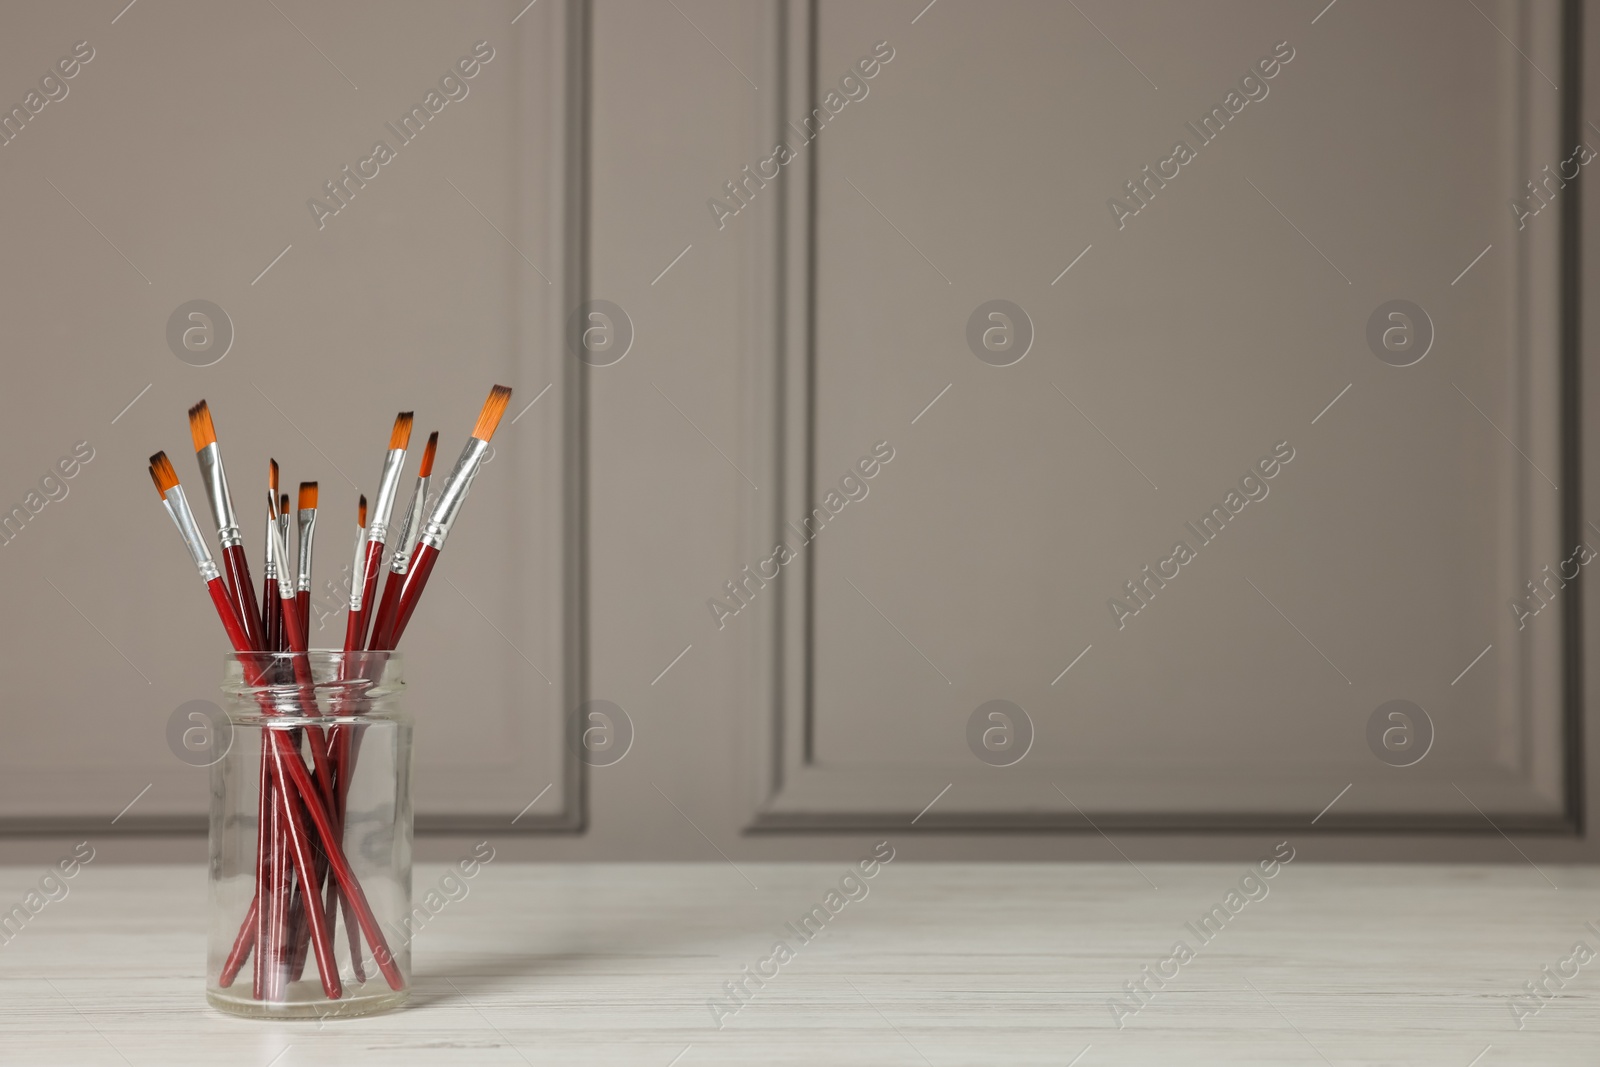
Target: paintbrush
(177, 505)
(271, 614)
(358, 585)
(405, 545)
(444, 514)
(307, 517)
(378, 531)
(172, 496)
(241, 584)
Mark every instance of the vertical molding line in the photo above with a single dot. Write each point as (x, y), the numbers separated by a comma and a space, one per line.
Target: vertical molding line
(813, 16)
(1571, 342)
(776, 682)
(575, 387)
(786, 249)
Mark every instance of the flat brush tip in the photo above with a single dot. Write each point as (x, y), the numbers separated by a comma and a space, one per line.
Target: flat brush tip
(283, 504)
(361, 512)
(161, 469)
(400, 436)
(272, 475)
(308, 496)
(493, 409)
(200, 426)
(427, 455)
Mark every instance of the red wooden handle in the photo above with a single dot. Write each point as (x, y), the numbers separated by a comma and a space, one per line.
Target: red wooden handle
(348, 885)
(369, 590)
(272, 615)
(352, 630)
(387, 607)
(243, 588)
(227, 613)
(300, 849)
(410, 593)
(270, 958)
(250, 934)
(242, 944)
(289, 770)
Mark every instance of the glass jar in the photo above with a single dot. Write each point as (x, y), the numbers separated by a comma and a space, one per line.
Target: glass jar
(314, 790)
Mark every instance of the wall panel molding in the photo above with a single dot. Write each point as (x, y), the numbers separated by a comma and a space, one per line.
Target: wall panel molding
(793, 791)
(407, 241)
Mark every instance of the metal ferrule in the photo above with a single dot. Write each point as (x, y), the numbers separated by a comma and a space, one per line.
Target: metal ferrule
(177, 506)
(411, 528)
(358, 573)
(269, 569)
(280, 546)
(454, 495)
(216, 483)
(388, 488)
(308, 528)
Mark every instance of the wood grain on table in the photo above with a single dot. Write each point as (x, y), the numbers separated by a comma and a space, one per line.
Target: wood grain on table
(932, 964)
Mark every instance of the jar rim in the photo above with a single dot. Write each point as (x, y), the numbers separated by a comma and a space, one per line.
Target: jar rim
(325, 654)
(373, 673)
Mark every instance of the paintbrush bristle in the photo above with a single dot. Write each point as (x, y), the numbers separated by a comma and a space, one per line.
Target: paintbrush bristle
(157, 479)
(272, 475)
(283, 504)
(200, 427)
(427, 455)
(361, 512)
(400, 436)
(308, 496)
(161, 468)
(493, 409)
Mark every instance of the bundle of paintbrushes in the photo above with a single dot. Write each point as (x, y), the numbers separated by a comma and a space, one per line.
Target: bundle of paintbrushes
(304, 883)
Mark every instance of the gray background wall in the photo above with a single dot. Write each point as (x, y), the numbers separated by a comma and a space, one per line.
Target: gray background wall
(769, 354)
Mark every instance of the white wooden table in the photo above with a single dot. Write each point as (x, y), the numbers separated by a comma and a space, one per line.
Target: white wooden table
(938, 965)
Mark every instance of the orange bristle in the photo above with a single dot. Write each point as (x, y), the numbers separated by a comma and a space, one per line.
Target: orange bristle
(400, 436)
(200, 427)
(308, 496)
(493, 409)
(361, 513)
(272, 475)
(157, 480)
(427, 455)
(283, 504)
(161, 468)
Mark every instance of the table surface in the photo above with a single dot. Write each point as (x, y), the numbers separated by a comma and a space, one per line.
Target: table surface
(937, 964)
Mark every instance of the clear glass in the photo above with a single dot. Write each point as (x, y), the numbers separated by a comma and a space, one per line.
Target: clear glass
(327, 731)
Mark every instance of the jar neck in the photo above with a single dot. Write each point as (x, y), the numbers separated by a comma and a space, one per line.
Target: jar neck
(313, 683)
